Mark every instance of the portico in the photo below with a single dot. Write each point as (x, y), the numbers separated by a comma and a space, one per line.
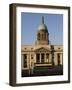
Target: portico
(43, 57)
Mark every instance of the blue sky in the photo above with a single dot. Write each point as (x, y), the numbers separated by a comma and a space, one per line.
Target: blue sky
(31, 21)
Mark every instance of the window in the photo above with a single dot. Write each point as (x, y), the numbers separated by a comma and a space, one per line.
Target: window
(58, 48)
(25, 60)
(42, 58)
(42, 36)
(58, 58)
(31, 48)
(38, 36)
(31, 56)
(37, 58)
(47, 56)
(25, 48)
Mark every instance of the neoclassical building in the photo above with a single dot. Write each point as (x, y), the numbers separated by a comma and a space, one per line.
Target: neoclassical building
(42, 53)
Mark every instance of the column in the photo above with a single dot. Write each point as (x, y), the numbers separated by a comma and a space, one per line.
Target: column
(45, 58)
(61, 59)
(40, 57)
(50, 58)
(55, 59)
(35, 58)
(28, 60)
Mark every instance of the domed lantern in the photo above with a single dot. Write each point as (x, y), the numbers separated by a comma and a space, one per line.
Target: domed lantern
(42, 34)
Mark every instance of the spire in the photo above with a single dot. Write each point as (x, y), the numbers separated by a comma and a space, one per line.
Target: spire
(42, 20)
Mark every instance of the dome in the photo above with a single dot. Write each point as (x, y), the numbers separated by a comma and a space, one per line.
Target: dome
(42, 27)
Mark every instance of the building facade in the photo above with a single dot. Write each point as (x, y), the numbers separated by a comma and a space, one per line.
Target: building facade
(42, 53)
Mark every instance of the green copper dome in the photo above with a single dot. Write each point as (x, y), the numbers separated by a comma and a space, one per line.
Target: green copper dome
(42, 26)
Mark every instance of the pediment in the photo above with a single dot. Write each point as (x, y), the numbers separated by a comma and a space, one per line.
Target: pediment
(42, 49)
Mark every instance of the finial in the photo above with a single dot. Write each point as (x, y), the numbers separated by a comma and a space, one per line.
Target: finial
(42, 19)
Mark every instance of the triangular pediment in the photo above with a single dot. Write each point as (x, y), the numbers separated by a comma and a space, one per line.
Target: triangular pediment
(42, 49)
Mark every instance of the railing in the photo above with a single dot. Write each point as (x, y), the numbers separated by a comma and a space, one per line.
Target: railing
(43, 64)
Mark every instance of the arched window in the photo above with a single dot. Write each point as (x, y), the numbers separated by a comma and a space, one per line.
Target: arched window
(42, 37)
(38, 36)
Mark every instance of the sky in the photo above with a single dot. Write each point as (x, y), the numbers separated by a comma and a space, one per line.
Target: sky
(31, 21)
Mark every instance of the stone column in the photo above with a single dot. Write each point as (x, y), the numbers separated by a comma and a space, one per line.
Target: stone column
(50, 57)
(45, 58)
(61, 57)
(28, 60)
(35, 58)
(55, 59)
(40, 57)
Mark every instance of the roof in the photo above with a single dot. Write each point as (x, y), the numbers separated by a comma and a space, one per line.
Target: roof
(42, 26)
